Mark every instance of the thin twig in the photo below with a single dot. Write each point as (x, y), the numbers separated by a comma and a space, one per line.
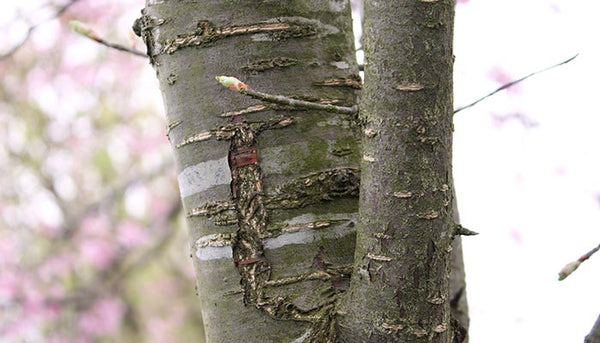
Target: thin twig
(58, 13)
(284, 100)
(238, 86)
(85, 31)
(571, 267)
(512, 83)
(121, 48)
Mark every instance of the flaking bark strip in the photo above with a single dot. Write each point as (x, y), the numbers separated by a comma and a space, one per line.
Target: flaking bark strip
(352, 81)
(172, 78)
(246, 188)
(380, 258)
(402, 195)
(272, 63)
(171, 126)
(327, 274)
(214, 240)
(212, 208)
(410, 87)
(249, 109)
(429, 215)
(223, 239)
(247, 246)
(206, 33)
(315, 188)
(227, 132)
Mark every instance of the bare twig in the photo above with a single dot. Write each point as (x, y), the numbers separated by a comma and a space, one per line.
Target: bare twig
(238, 86)
(512, 83)
(284, 100)
(571, 267)
(58, 13)
(85, 31)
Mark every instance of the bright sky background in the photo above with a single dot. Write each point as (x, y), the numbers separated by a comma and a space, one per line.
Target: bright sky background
(526, 164)
(533, 193)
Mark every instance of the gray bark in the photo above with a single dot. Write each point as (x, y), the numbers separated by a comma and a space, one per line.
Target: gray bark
(399, 290)
(594, 335)
(270, 192)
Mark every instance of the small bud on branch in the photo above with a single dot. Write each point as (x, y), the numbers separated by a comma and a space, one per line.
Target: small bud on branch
(238, 86)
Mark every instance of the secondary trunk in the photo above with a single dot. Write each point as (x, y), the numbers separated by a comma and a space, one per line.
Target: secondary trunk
(594, 335)
(270, 191)
(399, 290)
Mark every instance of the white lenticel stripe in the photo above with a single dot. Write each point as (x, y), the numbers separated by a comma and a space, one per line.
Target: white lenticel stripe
(214, 253)
(202, 176)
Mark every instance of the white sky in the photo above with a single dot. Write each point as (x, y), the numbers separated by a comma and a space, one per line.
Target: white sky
(532, 193)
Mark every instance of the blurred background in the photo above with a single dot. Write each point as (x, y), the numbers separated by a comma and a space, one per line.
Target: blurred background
(92, 241)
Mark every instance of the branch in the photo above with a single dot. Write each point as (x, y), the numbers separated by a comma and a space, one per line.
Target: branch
(512, 83)
(238, 86)
(86, 31)
(58, 13)
(571, 267)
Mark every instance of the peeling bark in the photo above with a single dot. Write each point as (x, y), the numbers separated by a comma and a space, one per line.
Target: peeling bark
(270, 191)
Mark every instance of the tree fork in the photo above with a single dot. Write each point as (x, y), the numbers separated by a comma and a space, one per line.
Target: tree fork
(286, 226)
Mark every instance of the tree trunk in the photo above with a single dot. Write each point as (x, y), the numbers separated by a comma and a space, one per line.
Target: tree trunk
(399, 290)
(270, 191)
(594, 335)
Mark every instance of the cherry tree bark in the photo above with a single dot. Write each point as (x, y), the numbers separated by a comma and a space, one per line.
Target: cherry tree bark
(399, 290)
(270, 191)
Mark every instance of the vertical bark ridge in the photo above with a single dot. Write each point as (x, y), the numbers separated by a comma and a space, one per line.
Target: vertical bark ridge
(399, 290)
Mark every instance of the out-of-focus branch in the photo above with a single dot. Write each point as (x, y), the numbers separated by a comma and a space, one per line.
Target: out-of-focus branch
(86, 31)
(512, 83)
(72, 222)
(59, 11)
(119, 271)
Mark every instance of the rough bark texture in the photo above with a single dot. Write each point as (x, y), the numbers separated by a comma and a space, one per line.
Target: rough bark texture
(400, 289)
(594, 335)
(270, 191)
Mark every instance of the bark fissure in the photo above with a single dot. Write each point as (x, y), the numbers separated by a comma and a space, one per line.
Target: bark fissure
(247, 243)
(207, 33)
(352, 81)
(281, 237)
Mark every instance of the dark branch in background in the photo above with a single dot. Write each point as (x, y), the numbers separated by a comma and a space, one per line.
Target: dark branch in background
(85, 31)
(112, 194)
(571, 267)
(58, 13)
(120, 270)
(512, 83)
